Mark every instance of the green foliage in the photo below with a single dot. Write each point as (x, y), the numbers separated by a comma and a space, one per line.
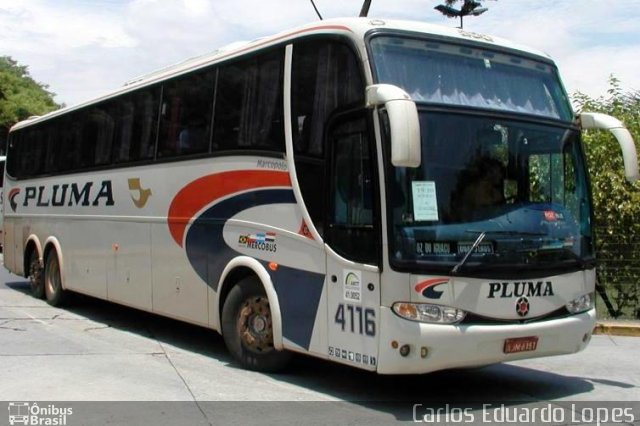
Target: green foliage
(616, 202)
(20, 96)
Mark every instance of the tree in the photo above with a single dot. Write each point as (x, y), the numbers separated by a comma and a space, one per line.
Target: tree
(616, 202)
(20, 96)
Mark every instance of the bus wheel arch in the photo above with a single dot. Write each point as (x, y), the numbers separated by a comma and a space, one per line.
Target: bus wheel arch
(54, 287)
(34, 266)
(249, 316)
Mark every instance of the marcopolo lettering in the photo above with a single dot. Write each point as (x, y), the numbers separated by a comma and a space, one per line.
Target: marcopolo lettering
(73, 194)
(520, 288)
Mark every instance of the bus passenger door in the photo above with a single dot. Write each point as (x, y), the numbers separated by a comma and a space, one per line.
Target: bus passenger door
(352, 236)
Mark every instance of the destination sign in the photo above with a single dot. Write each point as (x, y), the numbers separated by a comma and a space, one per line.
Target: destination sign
(429, 248)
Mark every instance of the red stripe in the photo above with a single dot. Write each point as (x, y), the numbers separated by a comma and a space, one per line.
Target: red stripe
(208, 189)
(429, 283)
(13, 192)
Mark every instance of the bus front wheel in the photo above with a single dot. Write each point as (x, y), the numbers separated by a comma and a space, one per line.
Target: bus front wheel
(54, 292)
(35, 276)
(247, 328)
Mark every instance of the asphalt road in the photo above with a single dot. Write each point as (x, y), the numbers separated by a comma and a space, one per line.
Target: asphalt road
(97, 351)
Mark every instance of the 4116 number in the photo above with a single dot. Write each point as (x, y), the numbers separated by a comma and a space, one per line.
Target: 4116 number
(358, 319)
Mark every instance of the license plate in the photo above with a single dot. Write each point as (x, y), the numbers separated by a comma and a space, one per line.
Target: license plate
(520, 344)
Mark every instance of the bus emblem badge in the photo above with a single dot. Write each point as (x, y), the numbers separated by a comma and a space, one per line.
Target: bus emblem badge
(12, 198)
(143, 194)
(429, 288)
(522, 306)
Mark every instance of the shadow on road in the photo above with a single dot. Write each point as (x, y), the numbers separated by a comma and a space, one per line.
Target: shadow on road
(503, 383)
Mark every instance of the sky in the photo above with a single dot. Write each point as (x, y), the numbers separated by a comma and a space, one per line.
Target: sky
(85, 48)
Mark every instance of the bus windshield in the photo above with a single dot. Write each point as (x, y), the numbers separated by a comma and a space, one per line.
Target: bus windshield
(521, 184)
(443, 73)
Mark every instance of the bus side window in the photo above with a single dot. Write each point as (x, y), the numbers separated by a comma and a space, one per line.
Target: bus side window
(22, 143)
(228, 105)
(248, 111)
(124, 124)
(146, 124)
(185, 122)
(52, 147)
(70, 142)
(98, 131)
(88, 139)
(326, 78)
(38, 152)
(136, 128)
(31, 152)
(12, 153)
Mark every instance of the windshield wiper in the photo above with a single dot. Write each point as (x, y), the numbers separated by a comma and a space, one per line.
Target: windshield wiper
(483, 234)
(475, 245)
(579, 260)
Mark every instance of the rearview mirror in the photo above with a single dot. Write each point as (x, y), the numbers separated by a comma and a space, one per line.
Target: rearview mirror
(594, 120)
(403, 122)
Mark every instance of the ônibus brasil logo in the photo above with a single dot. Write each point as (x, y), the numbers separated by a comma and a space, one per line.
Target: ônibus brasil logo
(429, 288)
(26, 413)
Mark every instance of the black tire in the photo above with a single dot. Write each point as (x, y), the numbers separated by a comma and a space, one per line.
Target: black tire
(36, 278)
(53, 290)
(247, 328)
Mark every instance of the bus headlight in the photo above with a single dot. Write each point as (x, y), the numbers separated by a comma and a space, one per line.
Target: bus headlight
(581, 304)
(427, 312)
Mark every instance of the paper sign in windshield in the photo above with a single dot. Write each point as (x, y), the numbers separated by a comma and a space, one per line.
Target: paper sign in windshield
(425, 204)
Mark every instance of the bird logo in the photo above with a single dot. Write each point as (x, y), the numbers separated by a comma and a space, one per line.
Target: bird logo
(143, 194)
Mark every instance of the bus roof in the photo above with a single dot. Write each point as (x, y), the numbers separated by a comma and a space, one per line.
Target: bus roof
(356, 28)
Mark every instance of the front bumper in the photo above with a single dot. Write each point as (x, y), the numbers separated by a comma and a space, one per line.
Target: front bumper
(451, 346)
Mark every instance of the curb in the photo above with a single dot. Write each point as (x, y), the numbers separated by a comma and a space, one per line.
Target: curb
(617, 329)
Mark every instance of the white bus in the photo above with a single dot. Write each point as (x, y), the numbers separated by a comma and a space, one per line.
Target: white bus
(393, 196)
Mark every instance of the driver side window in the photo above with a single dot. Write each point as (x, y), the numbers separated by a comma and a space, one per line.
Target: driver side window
(351, 217)
(326, 79)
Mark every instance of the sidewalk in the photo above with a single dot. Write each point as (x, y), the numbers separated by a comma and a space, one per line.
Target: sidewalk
(618, 328)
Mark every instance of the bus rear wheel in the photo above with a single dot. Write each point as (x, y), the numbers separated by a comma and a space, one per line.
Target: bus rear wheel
(54, 292)
(247, 328)
(35, 276)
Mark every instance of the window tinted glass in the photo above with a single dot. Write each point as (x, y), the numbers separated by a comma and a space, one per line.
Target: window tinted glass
(325, 77)
(186, 115)
(137, 126)
(70, 138)
(12, 151)
(470, 76)
(248, 113)
(351, 220)
(30, 152)
(52, 146)
(97, 134)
